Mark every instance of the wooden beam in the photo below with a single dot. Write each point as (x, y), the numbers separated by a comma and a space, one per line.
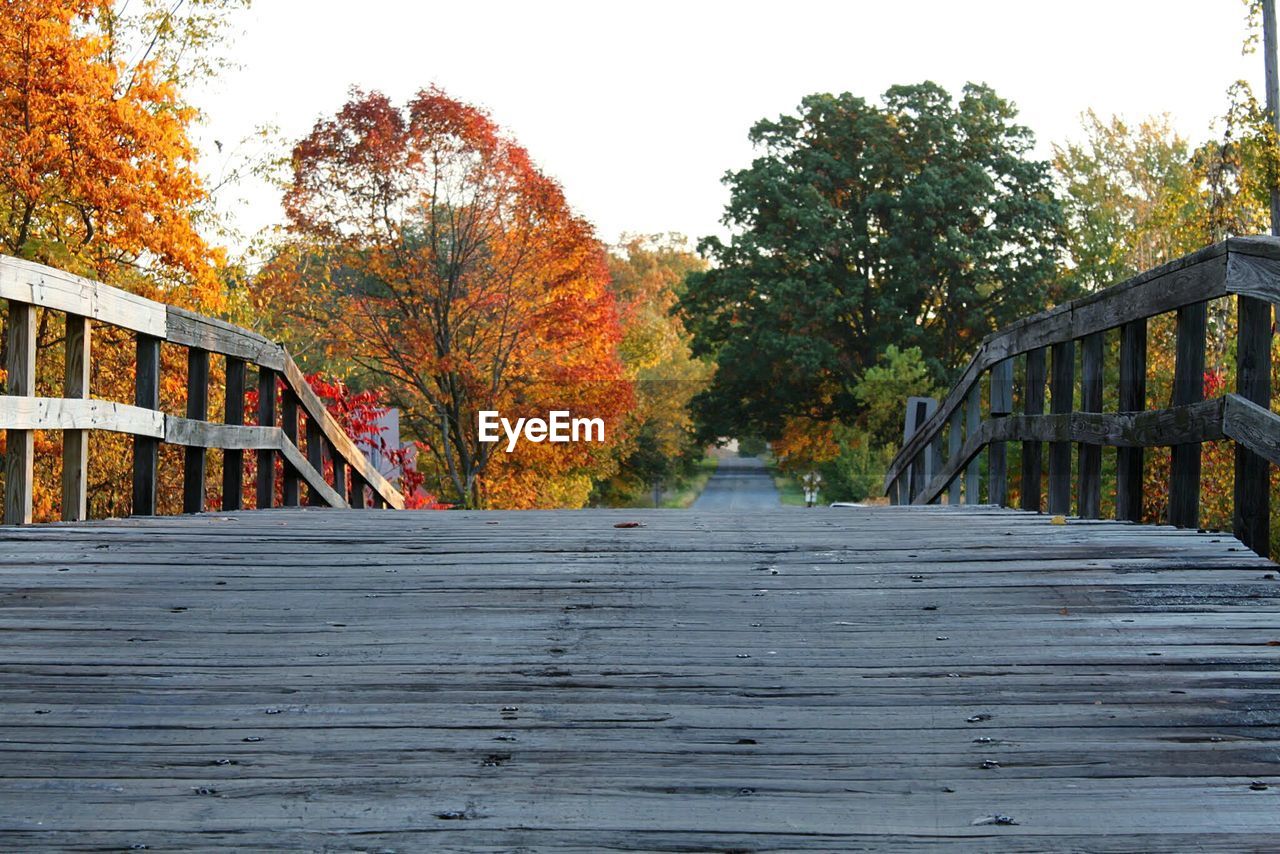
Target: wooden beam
(972, 423)
(1251, 521)
(146, 450)
(267, 387)
(289, 423)
(202, 434)
(19, 460)
(339, 472)
(1032, 404)
(46, 287)
(72, 415)
(193, 472)
(315, 456)
(1001, 397)
(75, 443)
(217, 336)
(1188, 387)
(1252, 426)
(1197, 422)
(955, 438)
(233, 415)
(1061, 400)
(1130, 462)
(1090, 456)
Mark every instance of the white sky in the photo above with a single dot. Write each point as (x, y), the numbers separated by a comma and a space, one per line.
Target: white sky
(638, 109)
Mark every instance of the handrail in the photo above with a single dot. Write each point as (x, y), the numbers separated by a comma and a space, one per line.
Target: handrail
(27, 285)
(1246, 267)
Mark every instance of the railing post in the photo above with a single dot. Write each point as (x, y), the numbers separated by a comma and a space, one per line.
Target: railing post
(997, 455)
(233, 458)
(1090, 456)
(356, 498)
(1188, 387)
(919, 410)
(266, 457)
(193, 471)
(146, 450)
(75, 443)
(972, 424)
(1062, 392)
(339, 471)
(289, 422)
(315, 456)
(954, 440)
(1133, 398)
(1252, 489)
(19, 461)
(1032, 404)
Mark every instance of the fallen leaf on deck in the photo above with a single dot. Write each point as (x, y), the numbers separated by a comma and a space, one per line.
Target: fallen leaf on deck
(628, 525)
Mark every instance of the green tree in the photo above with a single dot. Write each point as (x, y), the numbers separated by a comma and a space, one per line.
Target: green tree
(920, 222)
(647, 275)
(884, 388)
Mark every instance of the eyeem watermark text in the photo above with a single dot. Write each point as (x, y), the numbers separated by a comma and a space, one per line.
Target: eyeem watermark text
(558, 426)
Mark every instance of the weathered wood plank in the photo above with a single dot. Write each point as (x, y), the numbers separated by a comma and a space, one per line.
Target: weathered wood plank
(34, 284)
(468, 680)
(57, 413)
(217, 336)
(77, 355)
(19, 460)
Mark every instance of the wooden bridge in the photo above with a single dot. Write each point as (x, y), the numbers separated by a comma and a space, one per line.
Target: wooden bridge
(965, 677)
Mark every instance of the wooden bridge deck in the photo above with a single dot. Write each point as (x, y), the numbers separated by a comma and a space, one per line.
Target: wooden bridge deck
(893, 678)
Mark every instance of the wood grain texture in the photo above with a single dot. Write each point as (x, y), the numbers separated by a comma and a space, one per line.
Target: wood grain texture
(268, 385)
(1131, 462)
(26, 282)
(217, 336)
(1032, 451)
(233, 415)
(883, 679)
(146, 450)
(194, 456)
(1251, 488)
(1090, 456)
(1062, 372)
(57, 413)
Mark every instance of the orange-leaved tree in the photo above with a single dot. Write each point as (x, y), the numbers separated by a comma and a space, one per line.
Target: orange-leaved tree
(98, 177)
(428, 253)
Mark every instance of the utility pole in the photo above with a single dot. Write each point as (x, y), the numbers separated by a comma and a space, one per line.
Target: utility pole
(1273, 94)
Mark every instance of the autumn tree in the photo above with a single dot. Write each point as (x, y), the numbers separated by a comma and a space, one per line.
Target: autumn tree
(98, 177)
(426, 250)
(919, 222)
(647, 275)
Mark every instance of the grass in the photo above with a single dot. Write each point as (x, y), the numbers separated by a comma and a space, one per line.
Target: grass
(789, 489)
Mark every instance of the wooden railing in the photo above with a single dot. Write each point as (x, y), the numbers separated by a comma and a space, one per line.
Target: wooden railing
(1246, 268)
(29, 287)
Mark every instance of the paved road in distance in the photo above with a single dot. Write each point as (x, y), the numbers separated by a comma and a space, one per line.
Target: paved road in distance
(740, 483)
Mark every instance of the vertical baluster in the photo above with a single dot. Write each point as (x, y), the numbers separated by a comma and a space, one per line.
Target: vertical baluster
(289, 422)
(1252, 493)
(1130, 462)
(19, 461)
(972, 424)
(357, 497)
(339, 471)
(1090, 456)
(233, 458)
(266, 457)
(75, 443)
(193, 472)
(997, 455)
(1188, 387)
(315, 456)
(146, 450)
(1032, 404)
(955, 439)
(919, 411)
(1061, 391)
